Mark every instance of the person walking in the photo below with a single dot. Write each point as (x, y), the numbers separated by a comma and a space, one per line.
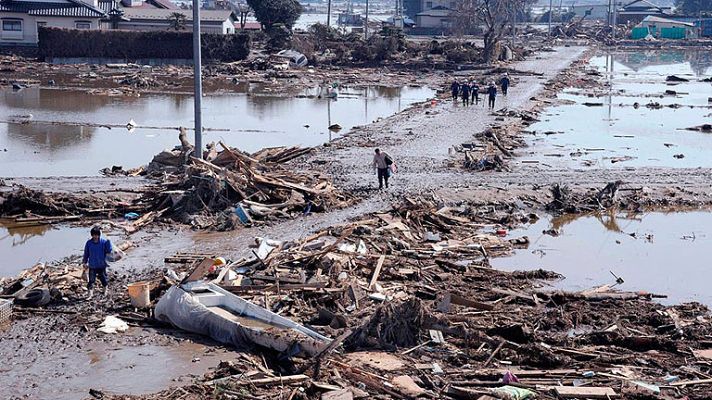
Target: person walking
(455, 89)
(465, 89)
(95, 251)
(475, 91)
(505, 84)
(491, 94)
(382, 162)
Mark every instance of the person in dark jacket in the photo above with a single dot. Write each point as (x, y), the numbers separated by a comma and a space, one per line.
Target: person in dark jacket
(95, 251)
(505, 84)
(491, 94)
(465, 90)
(455, 89)
(475, 92)
(382, 162)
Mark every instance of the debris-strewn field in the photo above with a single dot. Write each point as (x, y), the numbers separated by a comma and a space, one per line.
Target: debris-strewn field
(398, 280)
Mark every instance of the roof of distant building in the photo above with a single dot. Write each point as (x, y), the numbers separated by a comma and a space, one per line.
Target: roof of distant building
(249, 26)
(161, 14)
(658, 20)
(60, 8)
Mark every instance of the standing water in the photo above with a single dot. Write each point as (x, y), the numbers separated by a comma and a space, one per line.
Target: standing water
(41, 132)
(666, 253)
(639, 121)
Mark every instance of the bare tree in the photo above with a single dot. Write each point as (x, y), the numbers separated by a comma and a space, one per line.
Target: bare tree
(492, 15)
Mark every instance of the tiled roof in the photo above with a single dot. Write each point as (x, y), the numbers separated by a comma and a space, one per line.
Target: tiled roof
(162, 14)
(67, 8)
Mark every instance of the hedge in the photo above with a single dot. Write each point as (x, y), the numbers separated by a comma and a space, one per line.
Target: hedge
(130, 45)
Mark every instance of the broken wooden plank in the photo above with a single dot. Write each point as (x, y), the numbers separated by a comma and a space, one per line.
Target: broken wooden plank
(376, 272)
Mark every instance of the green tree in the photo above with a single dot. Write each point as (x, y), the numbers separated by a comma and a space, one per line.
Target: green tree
(693, 7)
(177, 21)
(271, 12)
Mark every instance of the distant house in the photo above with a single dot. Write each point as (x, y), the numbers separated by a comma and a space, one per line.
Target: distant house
(637, 10)
(154, 19)
(591, 11)
(248, 26)
(664, 28)
(439, 17)
(19, 19)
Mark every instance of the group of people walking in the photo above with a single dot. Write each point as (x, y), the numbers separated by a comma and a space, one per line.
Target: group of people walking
(469, 91)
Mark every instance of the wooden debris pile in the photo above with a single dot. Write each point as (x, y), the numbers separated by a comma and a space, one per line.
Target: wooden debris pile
(420, 314)
(206, 192)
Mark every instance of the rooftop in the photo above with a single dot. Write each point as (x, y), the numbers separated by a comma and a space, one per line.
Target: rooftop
(161, 14)
(60, 8)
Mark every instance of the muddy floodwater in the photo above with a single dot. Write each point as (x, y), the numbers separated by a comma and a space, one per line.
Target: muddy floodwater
(665, 253)
(41, 131)
(623, 126)
(126, 370)
(24, 247)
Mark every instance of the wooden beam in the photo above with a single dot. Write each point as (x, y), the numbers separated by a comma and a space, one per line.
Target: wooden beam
(376, 272)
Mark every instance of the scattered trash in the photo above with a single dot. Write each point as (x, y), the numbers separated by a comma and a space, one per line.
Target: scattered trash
(113, 325)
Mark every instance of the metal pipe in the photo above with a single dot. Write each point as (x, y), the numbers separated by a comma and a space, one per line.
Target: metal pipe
(328, 14)
(198, 81)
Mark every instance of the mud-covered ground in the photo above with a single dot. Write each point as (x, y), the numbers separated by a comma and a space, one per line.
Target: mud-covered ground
(419, 139)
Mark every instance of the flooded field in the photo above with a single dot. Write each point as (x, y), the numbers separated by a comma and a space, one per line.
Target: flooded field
(640, 121)
(41, 132)
(654, 252)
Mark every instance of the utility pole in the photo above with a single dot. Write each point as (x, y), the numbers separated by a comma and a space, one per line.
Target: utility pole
(550, 7)
(328, 14)
(198, 85)
(365, 24)
(615, 20)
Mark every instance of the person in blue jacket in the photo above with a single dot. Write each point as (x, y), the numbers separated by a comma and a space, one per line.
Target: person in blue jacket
(95, 251)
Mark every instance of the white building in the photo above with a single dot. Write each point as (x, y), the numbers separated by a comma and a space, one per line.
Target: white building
(154, 19)
(19, 19)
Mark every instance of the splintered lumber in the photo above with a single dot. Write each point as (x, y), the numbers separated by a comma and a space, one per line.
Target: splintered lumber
(279, 380)
(450, 298)
(376, 272)
(273, 288)
(580, 392)
(694, 382)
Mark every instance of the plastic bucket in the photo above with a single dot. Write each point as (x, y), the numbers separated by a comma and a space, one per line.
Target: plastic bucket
(139, 294)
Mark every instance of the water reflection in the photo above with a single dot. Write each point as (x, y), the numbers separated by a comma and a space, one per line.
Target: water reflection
(248, 121)
(23, 247)
(654, 252)
(621, 134)
(49, 137)
(700, 60)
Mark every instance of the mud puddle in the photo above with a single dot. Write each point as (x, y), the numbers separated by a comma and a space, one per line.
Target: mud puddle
(665, 253)
(41, 132)
(618, 128)
(23, 247)
(126, 370)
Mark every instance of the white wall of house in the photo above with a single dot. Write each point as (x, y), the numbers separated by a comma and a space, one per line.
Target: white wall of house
(28, 33)
(598, 11)
(427, 21)
(430, 4)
